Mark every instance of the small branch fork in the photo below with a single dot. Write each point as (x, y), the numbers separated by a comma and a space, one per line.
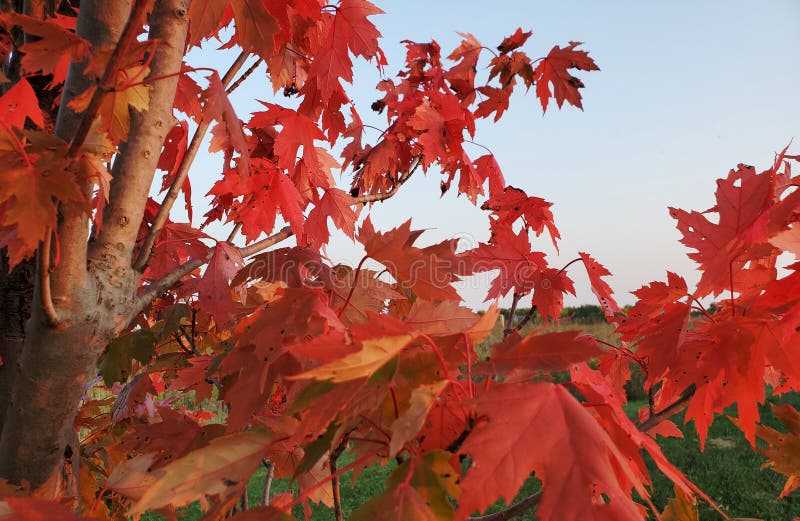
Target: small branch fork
(657, 417)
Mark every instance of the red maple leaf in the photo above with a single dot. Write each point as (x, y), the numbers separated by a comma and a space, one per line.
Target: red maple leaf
(549, 287)
(515, 41)
(214, 289)
(513, 203)
(426, 271)
(736, 248)
(555, 69)
(600, 288)
(56, 47)
(570, 452)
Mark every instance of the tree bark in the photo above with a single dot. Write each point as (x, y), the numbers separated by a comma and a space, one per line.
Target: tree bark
(93, 293)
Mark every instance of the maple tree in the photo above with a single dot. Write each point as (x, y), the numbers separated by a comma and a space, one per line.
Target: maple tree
(309, 359)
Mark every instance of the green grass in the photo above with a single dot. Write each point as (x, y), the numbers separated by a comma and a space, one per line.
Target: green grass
(728, 470)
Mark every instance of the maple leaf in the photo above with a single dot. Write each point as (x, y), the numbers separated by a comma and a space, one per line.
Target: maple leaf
(264, 192)
(214, 289)
(426, 271)
(514, 41)
(570, 452)
(175, 145)
(218, 106)
(550, 285)
(555, 69)
(440, 318)
(740, 235)
(35, 509)
(544, 352)
(206, 18)
(298, 130)
(223, 463)
(682, 507)
(114, 111)
(462, 75)
(408, 424)
(362, 35)
(496, 102)
(373, 355)
(56, 48)
(366, 292)
(600, 288)
(783, 450)
(511, 254)
(255, 26)
(336, 204)
(18, 103)
(415, 493)
(133, 477)
(35, 176)
(349, 29)
(514, 203)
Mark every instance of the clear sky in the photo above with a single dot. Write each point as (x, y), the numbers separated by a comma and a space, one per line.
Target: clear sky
(686, 91)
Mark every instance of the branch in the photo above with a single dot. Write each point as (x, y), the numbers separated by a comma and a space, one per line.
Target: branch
(333, 461)
(510, 326)
(138, 12)
(526, 318)
(267, 482)
(509, 512)
(244, 76)
(167, 281)
(263, 244)
(44, 280)
(665, 413)
(180, 176)
(364, 199)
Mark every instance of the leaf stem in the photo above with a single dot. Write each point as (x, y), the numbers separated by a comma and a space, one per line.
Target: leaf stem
(353, 287)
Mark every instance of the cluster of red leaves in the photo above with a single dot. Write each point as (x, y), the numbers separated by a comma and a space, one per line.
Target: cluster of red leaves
(308, 358)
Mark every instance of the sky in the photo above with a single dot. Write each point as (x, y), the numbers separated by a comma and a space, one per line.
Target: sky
(686, 91)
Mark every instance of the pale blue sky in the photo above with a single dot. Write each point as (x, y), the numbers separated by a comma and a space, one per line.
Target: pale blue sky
(686, 91)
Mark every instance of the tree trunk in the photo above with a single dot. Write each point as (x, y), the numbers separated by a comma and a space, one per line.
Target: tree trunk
(93, 292)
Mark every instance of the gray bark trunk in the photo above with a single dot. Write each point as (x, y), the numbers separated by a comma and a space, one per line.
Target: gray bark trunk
(93, 293)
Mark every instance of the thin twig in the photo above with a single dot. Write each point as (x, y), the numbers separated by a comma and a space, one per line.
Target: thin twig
(510, 325)
(234, 232)
(244, 76)
(337, 497)
(267, 482)
(106, 83)
(515, 509)
(44, 280)
(263, 244)
(372, 198)
(167, 281)
(666, 412)
(526, 318)
(180, 176)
